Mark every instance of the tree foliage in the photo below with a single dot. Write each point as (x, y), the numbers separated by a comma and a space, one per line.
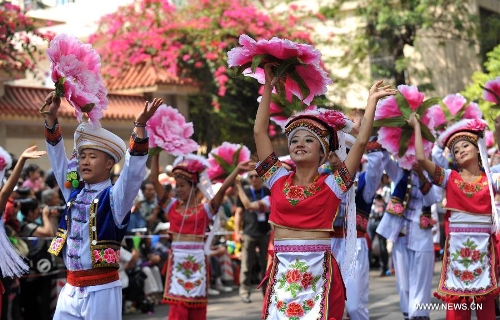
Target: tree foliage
(474, 92)
(19, 38)
(191, 42)
(387, 26)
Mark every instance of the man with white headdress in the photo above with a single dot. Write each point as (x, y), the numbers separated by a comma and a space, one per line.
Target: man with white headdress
(356, 279)
(95, 220)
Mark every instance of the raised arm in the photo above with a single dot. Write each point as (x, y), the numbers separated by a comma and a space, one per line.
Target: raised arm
(426, 164)
(260, 129)
(30, 153)
(247, 204)
(377, 91)
(229, 181)
(153, 177)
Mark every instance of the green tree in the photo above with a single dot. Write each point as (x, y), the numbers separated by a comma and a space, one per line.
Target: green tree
(387, 26)
(191, 42)
(474, 92)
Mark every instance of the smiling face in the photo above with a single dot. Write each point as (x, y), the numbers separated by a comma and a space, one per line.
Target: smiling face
(183, 188)
(95, 165)
(305, 148)
(465, 152)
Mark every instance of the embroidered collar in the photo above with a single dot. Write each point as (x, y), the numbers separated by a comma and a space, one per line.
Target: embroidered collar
(97, 186)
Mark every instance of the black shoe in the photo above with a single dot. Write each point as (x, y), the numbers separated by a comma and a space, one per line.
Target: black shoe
(246, 300)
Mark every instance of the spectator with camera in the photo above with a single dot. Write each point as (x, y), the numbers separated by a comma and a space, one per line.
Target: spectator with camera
(36, 287)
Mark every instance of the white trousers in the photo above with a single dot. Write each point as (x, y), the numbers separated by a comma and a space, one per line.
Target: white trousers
(105, 304)
(153, 282)
(414, 270)
(356, 284)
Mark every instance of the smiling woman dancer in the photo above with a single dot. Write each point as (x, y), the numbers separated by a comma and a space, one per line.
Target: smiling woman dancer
(469, 270)
(186, 282)
(305, 281)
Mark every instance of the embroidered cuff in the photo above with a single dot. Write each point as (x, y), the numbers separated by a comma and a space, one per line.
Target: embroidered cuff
(438, 176)
(343, 178)
(138, 146)
(425, 187)
(53, 135)
(268, 167)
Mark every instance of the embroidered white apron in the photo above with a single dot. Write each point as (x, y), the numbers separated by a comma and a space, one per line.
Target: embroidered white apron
(300, 280)
(469, 259)
(186, 279)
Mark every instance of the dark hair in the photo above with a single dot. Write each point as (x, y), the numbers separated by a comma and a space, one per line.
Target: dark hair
(168, 188)
(378, 197)
(29, 169)
(144, 184)
(27, 205)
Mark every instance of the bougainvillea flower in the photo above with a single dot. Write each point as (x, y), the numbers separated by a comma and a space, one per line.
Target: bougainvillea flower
(453, 108)
(491, 91)
(224, 159)
(298, 66)
(395, 134)
(168, 130)
(75, 71)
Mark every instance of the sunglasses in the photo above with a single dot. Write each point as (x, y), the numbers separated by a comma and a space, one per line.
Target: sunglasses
(251, 176)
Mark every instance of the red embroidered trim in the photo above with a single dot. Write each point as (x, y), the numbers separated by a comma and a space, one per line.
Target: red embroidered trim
(53, 137)
(138, 147)
(92, 277)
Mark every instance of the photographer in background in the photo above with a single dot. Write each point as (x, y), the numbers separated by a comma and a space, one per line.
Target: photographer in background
(36, 287)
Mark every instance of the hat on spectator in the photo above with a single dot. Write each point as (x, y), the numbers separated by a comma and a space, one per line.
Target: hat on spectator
(162, 226)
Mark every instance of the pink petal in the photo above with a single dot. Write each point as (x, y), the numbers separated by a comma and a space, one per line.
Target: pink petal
(493, 85)
(412, 95)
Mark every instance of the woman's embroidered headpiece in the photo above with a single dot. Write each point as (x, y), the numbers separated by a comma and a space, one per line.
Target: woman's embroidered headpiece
(467, 129)
(323, 124)
(190, 167)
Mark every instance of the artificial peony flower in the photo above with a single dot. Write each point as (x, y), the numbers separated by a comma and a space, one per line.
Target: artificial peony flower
(489, 139)
(75, 71)
(298, 65)
(453, 108)
(224, 159)
(491, 91)
(168, 130)
(395, 134)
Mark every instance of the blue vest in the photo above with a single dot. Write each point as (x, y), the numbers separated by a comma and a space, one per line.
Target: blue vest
(105, 236)
(363, 208)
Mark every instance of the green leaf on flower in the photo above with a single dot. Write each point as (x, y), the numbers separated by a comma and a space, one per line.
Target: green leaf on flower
(426, 105)
(88, 107)
(395, 122)
(447, 114)
(403, 105)
(405, 139)
(154, 151)
(304, 89)
(256, 60)
(286, 66)
(426, 132)
(60, 87)
(497, 105)
(236, 156)
(223, 163)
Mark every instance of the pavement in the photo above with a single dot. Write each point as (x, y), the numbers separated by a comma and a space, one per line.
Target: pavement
(383, 303)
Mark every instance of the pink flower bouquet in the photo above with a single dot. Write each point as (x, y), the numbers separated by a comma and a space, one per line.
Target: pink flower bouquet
(168, 130)
(224, 159)
(491, 91)
(395, 134)
(75, 71)
(452, 108)
(298, 65)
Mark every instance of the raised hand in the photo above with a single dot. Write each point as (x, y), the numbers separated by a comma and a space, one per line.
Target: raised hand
(32, 153)
(50, 108)
(246, 166)
(413, 120)
(148, 111)
(379, 90)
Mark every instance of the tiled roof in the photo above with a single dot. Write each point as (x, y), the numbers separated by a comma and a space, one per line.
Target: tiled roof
(26, 101)
(143, 76)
